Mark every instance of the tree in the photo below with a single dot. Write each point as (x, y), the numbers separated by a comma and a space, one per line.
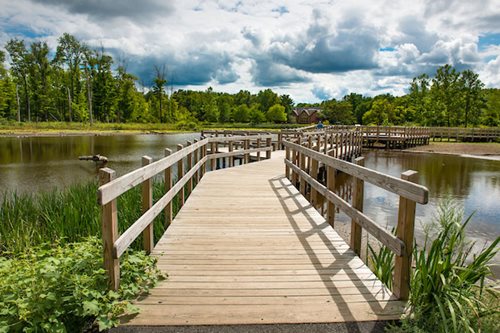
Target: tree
(159, 83)
(338, 112)
(241, 114)
(8, 103)
(40, 80)
(20, 59)
(472, 90)
(267, 98)
(419, 98)
(445, 91)
(379, 113)
(69, 53)
(276, 113)
(288, 103)
(256, 116)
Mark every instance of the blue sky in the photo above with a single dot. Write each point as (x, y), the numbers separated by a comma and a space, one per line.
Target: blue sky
(311, 50)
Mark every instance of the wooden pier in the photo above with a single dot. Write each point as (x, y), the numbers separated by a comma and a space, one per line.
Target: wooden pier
(250, 247)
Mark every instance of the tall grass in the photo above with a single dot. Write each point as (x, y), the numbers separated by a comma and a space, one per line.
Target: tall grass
(448, 292)
(66, 216)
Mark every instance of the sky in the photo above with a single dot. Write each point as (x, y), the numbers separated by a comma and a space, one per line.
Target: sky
(311, 50)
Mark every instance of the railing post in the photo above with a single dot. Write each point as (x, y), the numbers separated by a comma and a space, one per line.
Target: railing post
(258, 147)
(295, 162)
(357, 202)
(196, 159)
(330, 184)
(280, 141)
(231, 158)
(246, 156)
(213, 151)
(109, 225)
(180, 174)
(168, 186)
(147, 202)
(313, 172)
(303, 168)
(203, 154)
(404, 231)
(287, 157)
(268, 145)
(189, 167)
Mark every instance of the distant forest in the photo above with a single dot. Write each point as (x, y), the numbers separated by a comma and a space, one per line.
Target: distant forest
(81, 84)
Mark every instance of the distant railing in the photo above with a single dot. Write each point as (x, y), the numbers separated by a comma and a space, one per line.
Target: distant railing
(465, 134)
(301, 168)
(191, 164)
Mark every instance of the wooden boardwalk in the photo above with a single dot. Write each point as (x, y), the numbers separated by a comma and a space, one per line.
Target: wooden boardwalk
(248, 248)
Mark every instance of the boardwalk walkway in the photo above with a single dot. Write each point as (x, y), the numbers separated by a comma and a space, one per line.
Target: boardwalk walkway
(247, 248)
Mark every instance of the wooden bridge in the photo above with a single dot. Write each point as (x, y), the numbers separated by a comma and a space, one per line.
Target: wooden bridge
(249, 245)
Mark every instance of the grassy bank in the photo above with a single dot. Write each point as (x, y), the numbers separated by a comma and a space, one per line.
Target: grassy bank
(51, 275)
(64, 128)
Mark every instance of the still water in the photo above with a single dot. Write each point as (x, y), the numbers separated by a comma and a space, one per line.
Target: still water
(32, 164)
(473, 183)
(39, 163)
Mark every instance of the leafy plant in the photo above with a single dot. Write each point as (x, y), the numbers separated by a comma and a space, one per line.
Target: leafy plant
(60, 288)
(447, 289)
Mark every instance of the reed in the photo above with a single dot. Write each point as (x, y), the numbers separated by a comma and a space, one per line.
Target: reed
(66, 216)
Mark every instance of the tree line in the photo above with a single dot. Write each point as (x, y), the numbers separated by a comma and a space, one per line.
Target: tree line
(82, 84)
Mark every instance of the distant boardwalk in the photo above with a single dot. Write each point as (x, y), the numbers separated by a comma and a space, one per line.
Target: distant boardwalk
(248, 248)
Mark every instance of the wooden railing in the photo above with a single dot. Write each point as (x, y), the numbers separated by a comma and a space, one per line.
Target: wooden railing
(343, 144)
(465, 134)
(301, 168)
(191, 164)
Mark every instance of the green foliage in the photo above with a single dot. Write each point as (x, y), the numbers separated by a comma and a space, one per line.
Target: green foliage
(338, 112)
(379, 113)
(61, 288)
(447, 288)
(382, 264)
(276, 113)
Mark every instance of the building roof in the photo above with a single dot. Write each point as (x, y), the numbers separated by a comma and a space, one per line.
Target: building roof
(309, 111)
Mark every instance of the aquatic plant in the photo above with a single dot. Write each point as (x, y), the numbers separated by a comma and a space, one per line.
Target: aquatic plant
(448, 290)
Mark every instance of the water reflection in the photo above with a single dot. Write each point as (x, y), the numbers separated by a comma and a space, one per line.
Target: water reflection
(473, 183)
(37, 163)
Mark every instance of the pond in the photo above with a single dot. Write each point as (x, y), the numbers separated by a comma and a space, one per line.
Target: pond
(40, 163)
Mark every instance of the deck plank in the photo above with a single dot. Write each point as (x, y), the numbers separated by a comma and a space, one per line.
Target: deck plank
(247, 248)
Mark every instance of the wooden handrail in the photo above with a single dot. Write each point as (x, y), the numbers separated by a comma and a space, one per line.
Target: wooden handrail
(395, 185)
(122, 184)
(196, 154)
(409, 192)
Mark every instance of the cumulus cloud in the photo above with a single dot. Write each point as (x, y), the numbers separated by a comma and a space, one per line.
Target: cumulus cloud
(322, 49)
(310, 50)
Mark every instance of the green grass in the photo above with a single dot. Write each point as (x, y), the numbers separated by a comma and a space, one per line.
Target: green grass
(10, 127)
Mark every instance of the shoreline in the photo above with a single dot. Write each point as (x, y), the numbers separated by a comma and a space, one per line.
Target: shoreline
(481, 150)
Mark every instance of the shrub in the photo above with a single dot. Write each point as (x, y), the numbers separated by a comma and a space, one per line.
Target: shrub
(61, 288)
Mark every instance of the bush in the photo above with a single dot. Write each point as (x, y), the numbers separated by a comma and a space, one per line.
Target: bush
(187, 125)
(61, 288)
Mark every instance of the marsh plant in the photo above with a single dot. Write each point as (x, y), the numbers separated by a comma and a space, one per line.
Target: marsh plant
(449, 291)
